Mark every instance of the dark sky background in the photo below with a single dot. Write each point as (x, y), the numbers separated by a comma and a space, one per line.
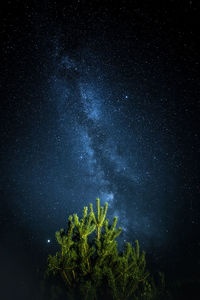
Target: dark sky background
(99, 100)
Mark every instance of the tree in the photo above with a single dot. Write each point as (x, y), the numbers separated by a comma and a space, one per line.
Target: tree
(91, 266)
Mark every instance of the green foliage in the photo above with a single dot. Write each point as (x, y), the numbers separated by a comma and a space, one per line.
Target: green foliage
(93, 269)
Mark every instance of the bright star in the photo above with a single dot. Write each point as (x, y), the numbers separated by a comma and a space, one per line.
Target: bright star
(48, 241)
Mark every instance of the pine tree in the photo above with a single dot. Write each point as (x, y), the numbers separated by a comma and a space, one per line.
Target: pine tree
(86, 266)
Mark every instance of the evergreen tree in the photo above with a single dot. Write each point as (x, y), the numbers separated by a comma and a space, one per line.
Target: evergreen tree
(92, 268)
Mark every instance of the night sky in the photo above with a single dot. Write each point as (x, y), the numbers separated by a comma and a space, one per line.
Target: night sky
(99, 100)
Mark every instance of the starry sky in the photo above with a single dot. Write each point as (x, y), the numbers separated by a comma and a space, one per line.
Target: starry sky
(99, 101)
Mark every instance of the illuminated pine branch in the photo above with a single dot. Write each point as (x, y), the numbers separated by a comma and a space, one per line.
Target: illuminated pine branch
(87, 265)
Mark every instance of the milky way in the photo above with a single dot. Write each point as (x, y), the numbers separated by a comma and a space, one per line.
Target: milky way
(100, 144)
(95, 134)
